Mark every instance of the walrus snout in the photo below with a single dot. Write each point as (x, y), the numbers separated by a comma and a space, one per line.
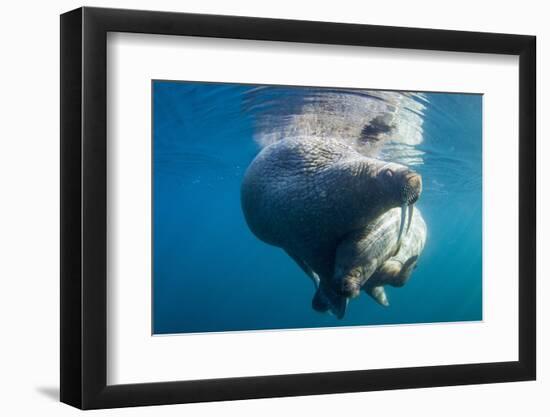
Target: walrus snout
(412, 188)
(410, 192)
(402, 183)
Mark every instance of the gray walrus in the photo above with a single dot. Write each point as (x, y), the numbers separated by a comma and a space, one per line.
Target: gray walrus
(375, 256)
(306, 195)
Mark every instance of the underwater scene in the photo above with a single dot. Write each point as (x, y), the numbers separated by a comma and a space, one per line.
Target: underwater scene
(289, 207)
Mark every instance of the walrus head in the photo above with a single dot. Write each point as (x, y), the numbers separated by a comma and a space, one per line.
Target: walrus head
(404, 184)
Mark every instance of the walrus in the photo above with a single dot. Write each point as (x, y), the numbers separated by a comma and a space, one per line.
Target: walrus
(363, 252)
(396, 269)
(305, 195)
(374, 256)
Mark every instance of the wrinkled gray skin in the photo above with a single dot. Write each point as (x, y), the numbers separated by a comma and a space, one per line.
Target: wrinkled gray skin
(307, 195)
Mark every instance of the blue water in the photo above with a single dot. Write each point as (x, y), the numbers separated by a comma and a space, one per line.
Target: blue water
(210, 273)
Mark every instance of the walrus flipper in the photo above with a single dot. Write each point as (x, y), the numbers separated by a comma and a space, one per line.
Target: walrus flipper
(395, 273)
(378, 293)
(409, 266)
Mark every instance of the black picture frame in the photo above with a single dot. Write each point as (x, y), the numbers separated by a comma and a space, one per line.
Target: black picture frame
(84, 207)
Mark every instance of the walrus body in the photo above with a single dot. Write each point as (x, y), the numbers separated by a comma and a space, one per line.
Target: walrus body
(306, 195)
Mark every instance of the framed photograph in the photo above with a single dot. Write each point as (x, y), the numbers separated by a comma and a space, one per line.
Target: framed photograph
(258, 208)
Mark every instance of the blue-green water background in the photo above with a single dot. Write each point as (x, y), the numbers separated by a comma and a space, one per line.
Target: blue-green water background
(211, 274)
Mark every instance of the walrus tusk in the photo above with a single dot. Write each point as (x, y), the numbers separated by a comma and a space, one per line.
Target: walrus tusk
(401, 224)
(411, 209)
